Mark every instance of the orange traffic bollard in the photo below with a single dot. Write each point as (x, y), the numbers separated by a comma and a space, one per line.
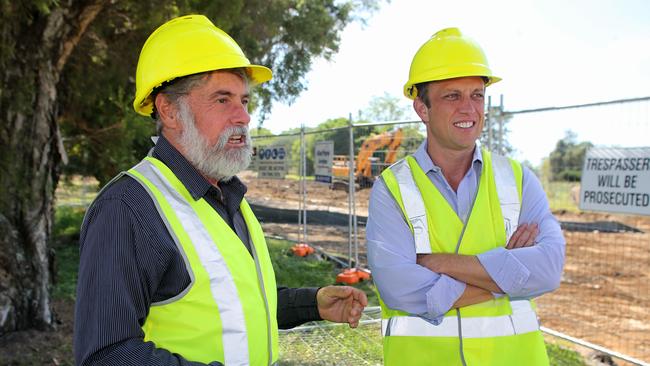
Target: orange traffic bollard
(352, 276)
(302, 250)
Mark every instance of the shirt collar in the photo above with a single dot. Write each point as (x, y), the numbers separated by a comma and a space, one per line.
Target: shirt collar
(195, 183)
(424, 160)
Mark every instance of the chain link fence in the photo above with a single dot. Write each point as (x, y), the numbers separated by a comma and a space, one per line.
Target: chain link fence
(603, 300)
(602, 303)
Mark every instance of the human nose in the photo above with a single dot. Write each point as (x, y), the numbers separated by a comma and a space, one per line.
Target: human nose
(469, 105)
(242, 117)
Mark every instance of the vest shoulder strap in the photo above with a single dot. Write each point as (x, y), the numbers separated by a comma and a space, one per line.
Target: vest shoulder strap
(413, 205)
(506, 184)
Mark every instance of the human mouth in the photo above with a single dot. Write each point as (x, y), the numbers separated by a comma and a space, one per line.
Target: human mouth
(465, 124)
(237, 139)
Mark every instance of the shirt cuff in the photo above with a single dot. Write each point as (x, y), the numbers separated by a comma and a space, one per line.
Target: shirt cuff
(505, 270)
(442, 296)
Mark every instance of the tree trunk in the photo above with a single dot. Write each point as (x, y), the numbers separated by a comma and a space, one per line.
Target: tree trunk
(31, 155)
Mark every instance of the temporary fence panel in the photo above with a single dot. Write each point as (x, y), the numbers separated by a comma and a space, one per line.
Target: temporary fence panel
(605, 290)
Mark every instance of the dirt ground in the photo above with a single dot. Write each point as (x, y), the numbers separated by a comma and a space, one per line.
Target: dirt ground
(605, 290)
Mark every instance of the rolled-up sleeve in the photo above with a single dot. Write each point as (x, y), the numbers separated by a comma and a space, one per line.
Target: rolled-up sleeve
(535, 270)
(402, 283)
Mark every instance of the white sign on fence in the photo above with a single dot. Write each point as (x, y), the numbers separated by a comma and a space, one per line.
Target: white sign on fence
(272, 161)
(323, 153)
(616, 180)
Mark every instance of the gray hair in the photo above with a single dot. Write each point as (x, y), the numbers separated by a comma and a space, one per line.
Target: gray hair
(181, 87)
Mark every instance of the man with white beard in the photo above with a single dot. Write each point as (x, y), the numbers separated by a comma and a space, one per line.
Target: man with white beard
(174, 268)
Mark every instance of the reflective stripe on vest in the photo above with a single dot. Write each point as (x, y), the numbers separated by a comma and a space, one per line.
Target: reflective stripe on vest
(413, 205)
(222, 286)
(522, 320)
(504, 179)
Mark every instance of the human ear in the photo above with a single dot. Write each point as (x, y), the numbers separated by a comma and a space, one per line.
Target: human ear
(167, 113)
(421, 109)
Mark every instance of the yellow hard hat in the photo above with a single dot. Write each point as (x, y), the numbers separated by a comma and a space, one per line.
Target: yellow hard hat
(184, 46)
(447, 54)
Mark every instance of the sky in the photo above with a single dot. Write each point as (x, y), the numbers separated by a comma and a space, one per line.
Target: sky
(548, 53)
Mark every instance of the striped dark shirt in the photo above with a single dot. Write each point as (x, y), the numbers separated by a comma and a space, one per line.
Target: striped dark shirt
(129, 260)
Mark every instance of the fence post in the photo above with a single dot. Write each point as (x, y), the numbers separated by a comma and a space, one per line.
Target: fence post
(489, 123)
(500, 120)
(302, 212)
(351, 165)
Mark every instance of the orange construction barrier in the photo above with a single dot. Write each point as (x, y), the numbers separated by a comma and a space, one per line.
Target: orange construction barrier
(302, 250)
(352, 276)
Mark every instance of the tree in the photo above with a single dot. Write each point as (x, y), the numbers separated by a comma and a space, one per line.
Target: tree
(67, 66)
(568, 157)
(385, 108)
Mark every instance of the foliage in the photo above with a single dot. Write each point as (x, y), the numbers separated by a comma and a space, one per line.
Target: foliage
(567, 158)
(386, 108)
(66, 262)
(104, 135)
(67, 222)
(560, 195)
(65, 235)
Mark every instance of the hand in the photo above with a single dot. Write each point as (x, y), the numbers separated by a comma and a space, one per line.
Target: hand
(523, 237)
(341, 304)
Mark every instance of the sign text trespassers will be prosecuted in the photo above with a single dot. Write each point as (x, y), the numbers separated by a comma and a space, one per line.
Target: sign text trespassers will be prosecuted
(616, 180)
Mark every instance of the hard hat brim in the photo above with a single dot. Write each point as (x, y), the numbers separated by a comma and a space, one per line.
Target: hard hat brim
(257, 74)
(411, 92)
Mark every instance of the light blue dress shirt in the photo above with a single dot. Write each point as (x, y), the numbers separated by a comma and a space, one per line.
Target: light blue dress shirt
(405, 285)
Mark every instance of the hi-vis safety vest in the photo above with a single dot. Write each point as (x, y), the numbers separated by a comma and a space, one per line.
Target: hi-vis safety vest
(228, 312)
(497, 332)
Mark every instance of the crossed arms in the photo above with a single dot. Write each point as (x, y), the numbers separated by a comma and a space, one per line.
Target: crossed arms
(431, 285)
(479, 286)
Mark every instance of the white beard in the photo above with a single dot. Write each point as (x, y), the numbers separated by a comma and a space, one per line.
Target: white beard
(216, 161)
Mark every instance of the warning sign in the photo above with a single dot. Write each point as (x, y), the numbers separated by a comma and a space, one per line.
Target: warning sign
(616, 180)
(272, 162)
(323, 153)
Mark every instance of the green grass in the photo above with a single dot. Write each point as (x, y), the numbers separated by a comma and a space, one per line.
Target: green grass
(67, 267)
(560, 356)
(65, 238)
(332, 346)
(310, 271)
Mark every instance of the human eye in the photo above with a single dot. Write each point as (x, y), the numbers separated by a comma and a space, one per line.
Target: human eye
(479, 95)
(222, 100)
(245, 101)
(451, 96)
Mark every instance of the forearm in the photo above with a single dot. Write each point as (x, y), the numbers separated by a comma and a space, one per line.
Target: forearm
(296, 306)
(537, 269)
(472, 295)
(464, 268)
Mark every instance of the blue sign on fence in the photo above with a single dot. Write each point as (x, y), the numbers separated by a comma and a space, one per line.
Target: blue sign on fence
(271, 161)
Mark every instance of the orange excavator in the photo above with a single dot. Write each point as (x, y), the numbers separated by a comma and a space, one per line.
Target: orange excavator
(367, 167)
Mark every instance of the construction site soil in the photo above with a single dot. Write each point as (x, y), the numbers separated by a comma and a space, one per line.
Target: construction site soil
(605, 290)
